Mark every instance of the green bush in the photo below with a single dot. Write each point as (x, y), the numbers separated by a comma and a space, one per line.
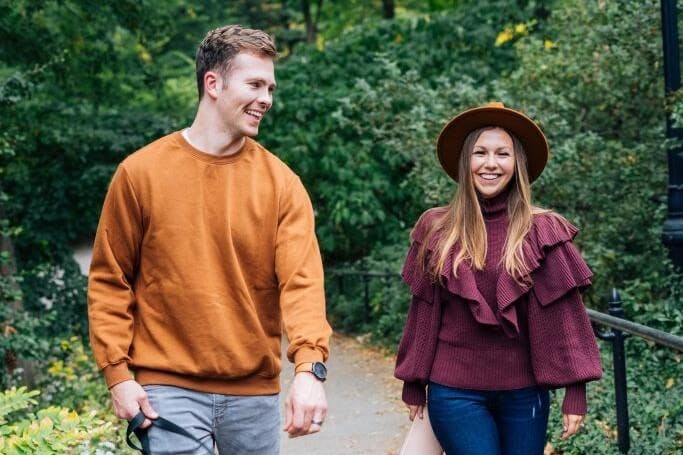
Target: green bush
(49, 430)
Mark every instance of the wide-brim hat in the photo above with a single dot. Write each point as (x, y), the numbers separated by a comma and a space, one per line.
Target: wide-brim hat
(452, 137)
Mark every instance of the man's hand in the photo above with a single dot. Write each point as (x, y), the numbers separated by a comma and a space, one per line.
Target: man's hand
(571, 424)
(129, 398)
(415, 410)
(305, 404)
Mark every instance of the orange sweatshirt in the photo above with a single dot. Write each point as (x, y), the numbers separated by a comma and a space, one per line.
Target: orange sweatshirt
(197, 263)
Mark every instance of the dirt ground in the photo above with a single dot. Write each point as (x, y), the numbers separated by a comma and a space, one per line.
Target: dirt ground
(365, 415)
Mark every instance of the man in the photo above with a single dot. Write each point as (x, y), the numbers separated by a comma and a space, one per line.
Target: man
(204, 250)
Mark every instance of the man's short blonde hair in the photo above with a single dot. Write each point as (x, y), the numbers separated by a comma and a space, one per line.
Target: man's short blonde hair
(220, 46)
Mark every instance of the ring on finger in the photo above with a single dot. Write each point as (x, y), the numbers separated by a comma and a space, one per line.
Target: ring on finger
(317, 422)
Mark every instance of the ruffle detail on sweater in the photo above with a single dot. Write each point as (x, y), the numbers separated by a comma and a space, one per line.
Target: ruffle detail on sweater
(413, 274)
(555, 266)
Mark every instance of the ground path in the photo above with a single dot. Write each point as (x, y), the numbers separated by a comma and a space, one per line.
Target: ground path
(366, 416)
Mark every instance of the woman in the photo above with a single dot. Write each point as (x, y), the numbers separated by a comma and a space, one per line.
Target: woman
(496, 318)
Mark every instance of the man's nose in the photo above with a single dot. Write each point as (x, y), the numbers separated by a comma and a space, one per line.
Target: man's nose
(266, 99)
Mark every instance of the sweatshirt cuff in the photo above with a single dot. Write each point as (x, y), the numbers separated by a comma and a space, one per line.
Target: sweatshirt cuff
(575, 399)
(414, 393)
(116, 373)
(307, 354)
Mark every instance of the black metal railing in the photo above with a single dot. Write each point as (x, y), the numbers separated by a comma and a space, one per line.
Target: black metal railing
(619, 330)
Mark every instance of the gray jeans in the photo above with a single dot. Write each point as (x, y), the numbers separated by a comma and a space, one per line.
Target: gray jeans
(239, 425)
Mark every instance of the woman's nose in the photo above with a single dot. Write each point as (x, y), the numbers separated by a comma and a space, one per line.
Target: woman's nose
(490, 161)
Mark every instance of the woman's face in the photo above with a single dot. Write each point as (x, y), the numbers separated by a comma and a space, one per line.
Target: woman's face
(492, 162)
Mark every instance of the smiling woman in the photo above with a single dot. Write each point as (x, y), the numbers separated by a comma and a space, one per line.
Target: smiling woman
(492, 161)
(496, 301)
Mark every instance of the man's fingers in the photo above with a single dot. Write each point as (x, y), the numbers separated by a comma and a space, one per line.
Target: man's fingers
(146, 424)
(288, 414)
(421, 412)
(308, 419)
(297, 420)
(147, 409)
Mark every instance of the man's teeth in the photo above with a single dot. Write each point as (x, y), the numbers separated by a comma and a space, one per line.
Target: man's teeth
(256, 114)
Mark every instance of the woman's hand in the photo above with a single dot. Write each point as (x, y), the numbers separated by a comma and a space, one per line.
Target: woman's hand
(415, 410)
(571, 424)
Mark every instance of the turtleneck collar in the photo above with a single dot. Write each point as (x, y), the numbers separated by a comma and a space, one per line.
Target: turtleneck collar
(495, 207)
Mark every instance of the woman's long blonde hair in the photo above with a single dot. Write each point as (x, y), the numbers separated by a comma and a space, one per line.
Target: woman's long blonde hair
(463, 223)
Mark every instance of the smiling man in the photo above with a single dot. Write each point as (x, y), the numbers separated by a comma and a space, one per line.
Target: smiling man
(205, 249)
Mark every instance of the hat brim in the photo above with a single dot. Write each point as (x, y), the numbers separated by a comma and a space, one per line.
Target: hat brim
(452, 137)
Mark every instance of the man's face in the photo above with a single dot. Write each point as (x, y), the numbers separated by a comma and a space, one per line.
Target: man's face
(246, 94)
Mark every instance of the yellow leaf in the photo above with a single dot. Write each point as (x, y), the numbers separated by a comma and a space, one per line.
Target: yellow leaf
(670, 383)
(521, 29)
(503, 37)
(547, 44)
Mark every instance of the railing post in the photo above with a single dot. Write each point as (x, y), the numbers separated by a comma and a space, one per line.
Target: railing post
(366, 306)
(617, 337)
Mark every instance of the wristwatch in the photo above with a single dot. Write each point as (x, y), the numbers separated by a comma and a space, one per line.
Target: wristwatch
(318, 369)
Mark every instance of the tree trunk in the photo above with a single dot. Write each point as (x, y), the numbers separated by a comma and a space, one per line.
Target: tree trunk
(388, 9)
(311, 23)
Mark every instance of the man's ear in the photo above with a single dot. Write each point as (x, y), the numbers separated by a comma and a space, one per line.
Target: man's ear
(213, 83)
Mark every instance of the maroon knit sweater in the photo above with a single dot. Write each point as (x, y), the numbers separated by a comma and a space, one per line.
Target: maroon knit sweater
(484, 331)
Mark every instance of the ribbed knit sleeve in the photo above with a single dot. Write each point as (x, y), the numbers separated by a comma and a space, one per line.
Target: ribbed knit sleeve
(299, 270)
(564, 352)
(110, 283)
(418, 343)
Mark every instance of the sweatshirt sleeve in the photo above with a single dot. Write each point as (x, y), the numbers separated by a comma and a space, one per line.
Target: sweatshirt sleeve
(110, 281)
(564, 352)
(299, 271)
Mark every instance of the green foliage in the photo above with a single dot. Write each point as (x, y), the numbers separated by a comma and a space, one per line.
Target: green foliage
(15, 399)
(49, 430)
(82, 422)
(655, 405)
(83, 84)
(352, 118)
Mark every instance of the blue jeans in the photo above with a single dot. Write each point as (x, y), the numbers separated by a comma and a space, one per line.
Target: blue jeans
(473, 422)
(239, 425)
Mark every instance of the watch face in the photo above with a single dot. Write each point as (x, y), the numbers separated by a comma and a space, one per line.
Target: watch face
(319, 370)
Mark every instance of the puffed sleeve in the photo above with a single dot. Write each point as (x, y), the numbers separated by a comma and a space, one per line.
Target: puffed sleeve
(418, 343)
(564, 351)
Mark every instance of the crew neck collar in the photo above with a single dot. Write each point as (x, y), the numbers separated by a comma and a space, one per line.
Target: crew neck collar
(208, 157)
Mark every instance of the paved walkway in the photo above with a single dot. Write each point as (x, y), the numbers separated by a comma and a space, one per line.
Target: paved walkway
(365, 417)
